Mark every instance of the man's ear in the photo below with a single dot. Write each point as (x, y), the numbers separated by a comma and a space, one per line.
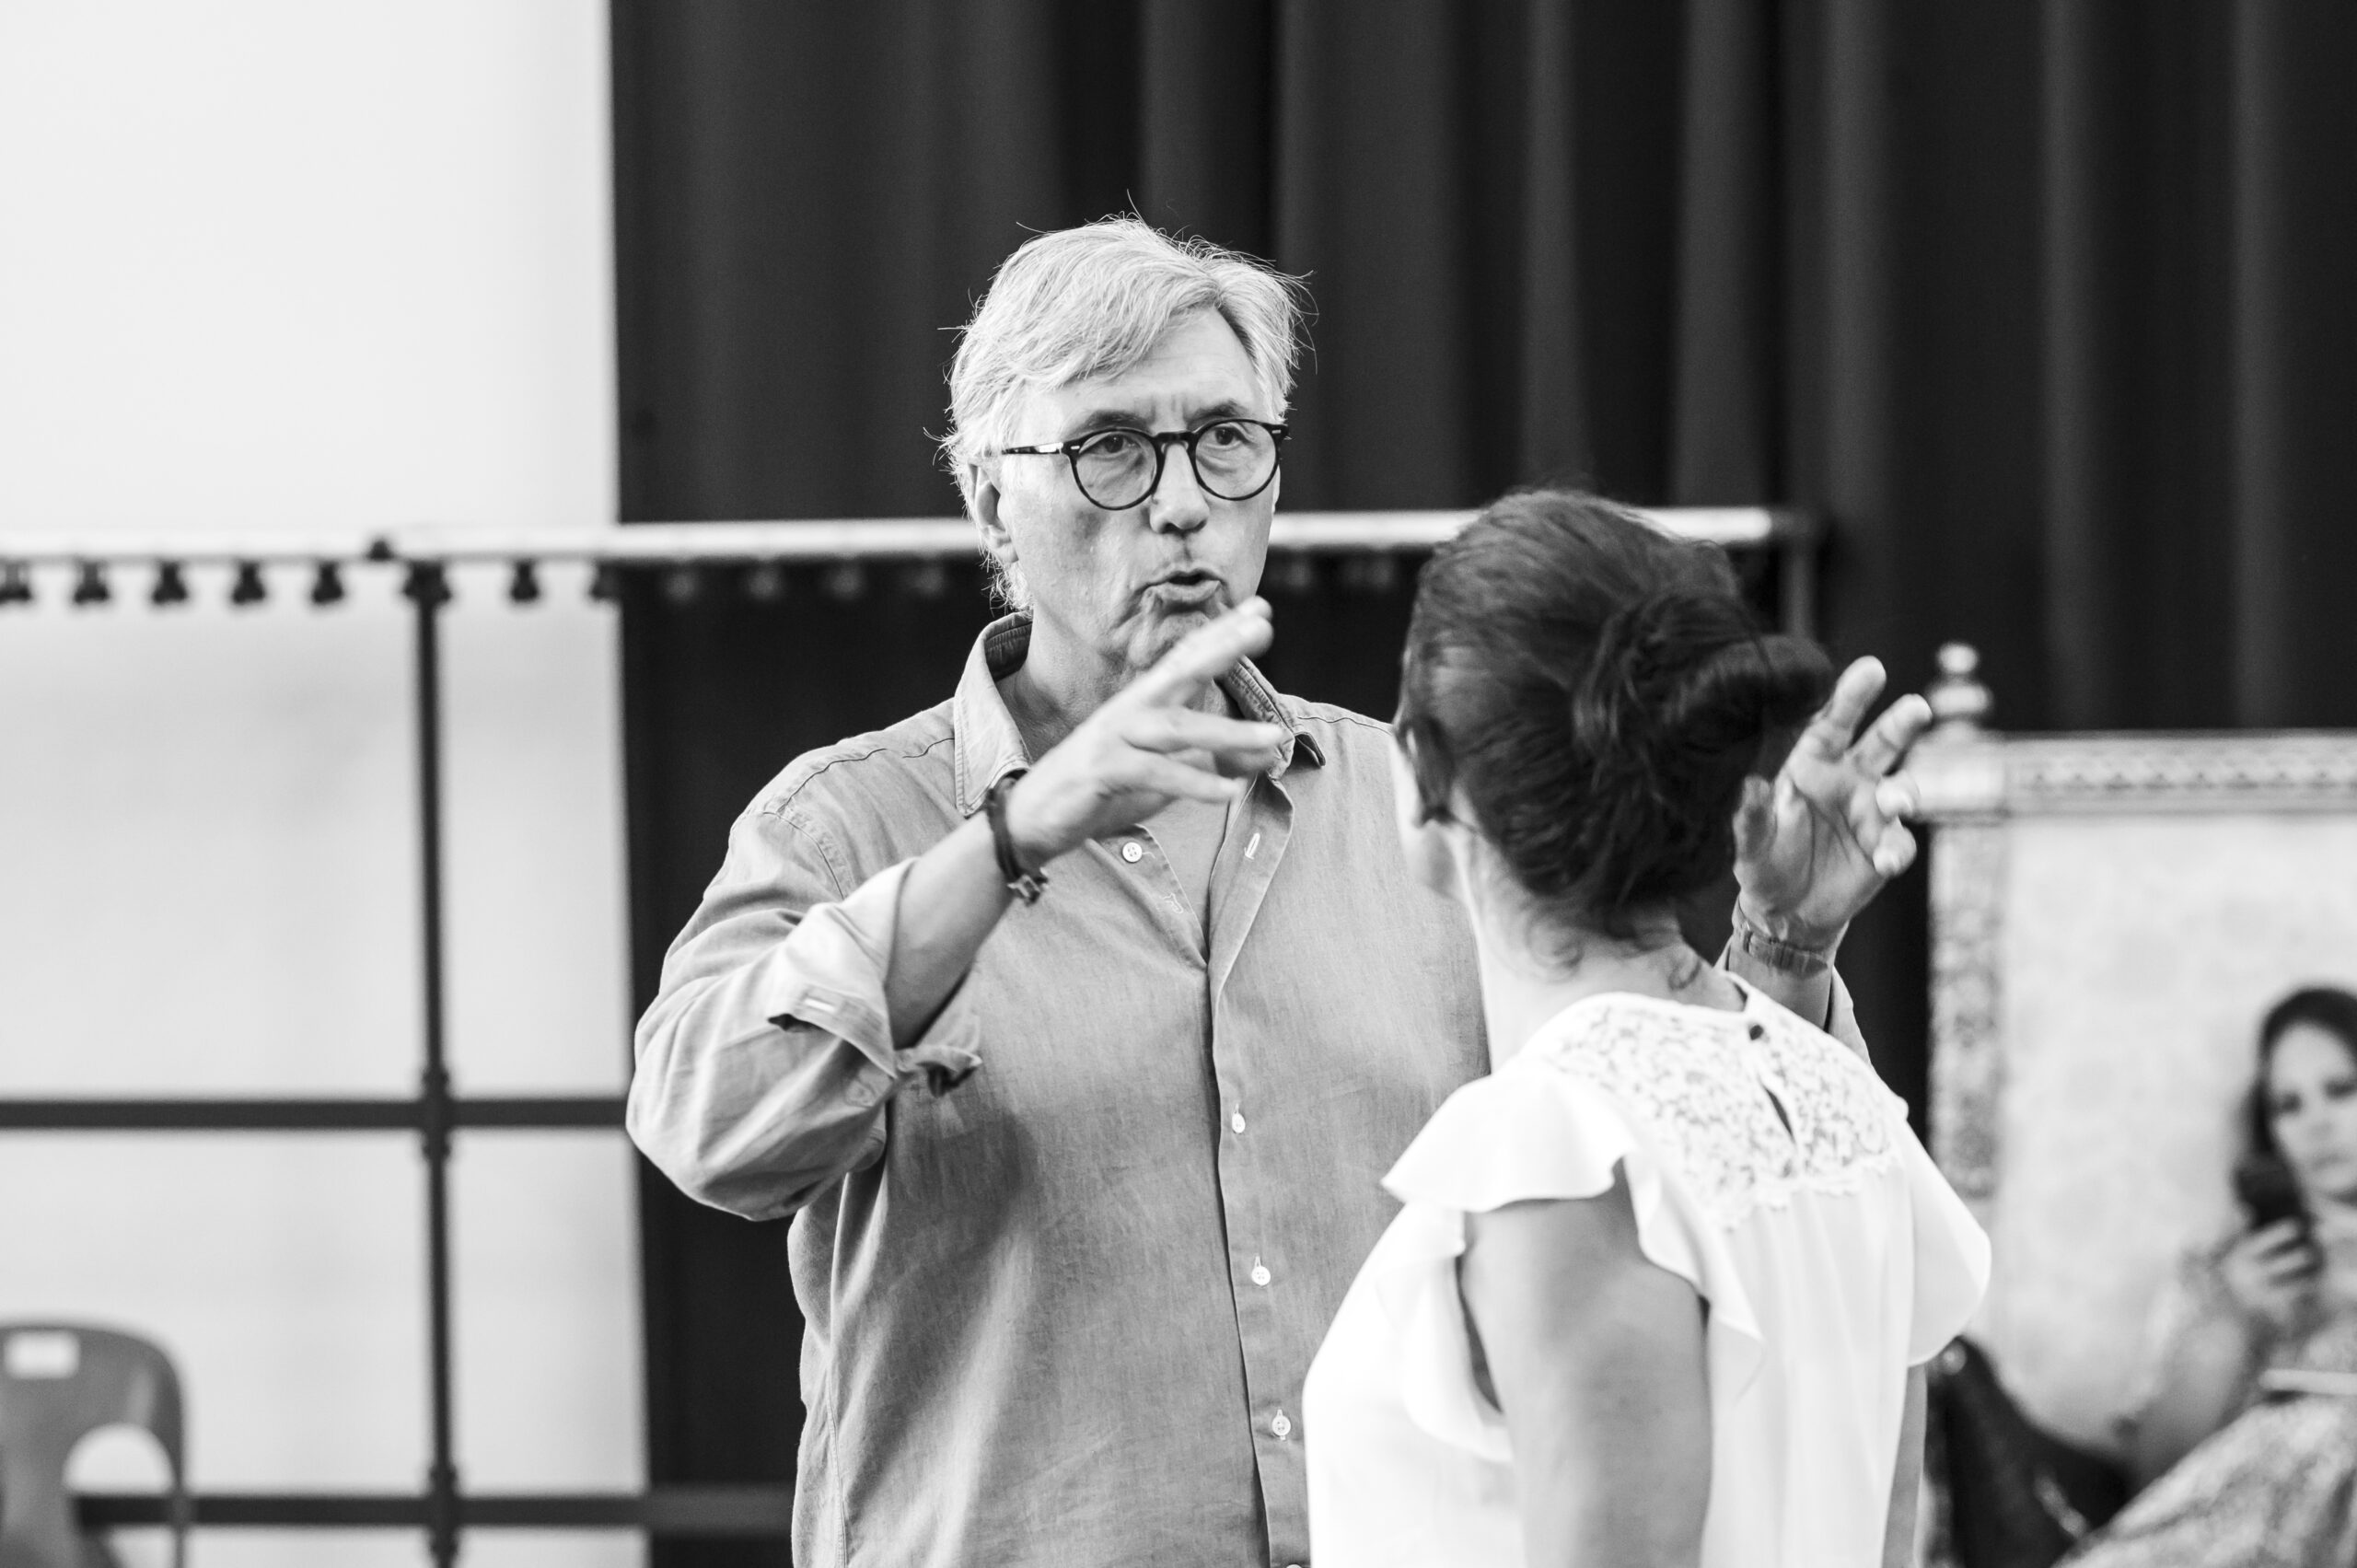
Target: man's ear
(982, 488)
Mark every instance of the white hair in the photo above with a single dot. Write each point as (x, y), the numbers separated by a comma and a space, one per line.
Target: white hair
(1094, 301)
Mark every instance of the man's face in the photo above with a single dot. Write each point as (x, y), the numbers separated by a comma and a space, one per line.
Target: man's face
(1125, 586)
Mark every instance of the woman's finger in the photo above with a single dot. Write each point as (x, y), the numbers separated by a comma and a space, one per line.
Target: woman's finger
(1894, 851)
(2278, 1236)
(1828, 735)
(1890, 738)
(1755, 819)
(2285, 1262)
(1899, 797)
(2283, 1273)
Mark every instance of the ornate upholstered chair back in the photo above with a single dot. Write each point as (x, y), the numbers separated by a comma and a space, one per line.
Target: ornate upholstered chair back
(2111, 915)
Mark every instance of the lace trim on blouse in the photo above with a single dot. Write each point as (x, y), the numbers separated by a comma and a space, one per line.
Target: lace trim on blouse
(1705, 1087)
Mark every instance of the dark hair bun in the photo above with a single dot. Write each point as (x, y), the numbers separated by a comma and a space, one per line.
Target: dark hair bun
(1597, 690)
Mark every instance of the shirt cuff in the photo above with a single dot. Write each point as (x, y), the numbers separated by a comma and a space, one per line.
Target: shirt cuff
(830, 975)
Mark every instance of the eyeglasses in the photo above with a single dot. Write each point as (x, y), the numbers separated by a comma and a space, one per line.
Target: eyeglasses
(1118, 469)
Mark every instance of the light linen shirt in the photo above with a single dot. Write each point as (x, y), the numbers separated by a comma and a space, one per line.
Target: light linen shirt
(1060, 1311)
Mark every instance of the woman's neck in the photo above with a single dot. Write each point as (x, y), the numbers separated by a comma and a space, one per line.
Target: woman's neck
(1522, 989)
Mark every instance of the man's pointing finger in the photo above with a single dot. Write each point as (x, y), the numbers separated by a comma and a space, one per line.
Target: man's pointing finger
(1205, 654)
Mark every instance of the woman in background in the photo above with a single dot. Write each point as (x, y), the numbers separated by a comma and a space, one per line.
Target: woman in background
(1660, 1278)
(2248, 1440)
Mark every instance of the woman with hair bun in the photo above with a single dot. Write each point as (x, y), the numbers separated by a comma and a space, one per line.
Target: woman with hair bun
(1660, 1278)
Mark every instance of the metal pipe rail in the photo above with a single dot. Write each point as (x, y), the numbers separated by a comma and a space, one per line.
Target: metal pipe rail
(707, 1510)
(818, 539)
(333, 1113)
(768, 548)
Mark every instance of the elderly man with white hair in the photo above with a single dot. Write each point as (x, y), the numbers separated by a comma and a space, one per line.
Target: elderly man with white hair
(1076, 1019)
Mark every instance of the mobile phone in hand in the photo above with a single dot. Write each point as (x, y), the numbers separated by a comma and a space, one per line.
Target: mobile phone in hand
(2269, 1194)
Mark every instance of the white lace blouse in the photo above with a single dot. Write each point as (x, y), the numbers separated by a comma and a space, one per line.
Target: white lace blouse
(1832, 1257)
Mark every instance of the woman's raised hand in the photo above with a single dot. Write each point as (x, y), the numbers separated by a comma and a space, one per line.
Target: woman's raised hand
(1814, 847)
(1147, 745)
(2270, 1272)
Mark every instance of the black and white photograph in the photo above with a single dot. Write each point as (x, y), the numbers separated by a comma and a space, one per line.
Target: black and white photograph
(1205, 783)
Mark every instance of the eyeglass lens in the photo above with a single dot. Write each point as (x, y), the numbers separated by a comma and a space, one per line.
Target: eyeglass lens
(1232, 461)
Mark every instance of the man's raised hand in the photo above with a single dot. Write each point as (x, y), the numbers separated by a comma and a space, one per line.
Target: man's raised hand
(1148, 746)
(1814, 848)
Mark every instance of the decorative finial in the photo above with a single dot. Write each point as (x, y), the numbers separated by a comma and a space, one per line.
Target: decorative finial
(90, 585)
(172, 584)
(524, 583)
(327, 584)
(1960, 704)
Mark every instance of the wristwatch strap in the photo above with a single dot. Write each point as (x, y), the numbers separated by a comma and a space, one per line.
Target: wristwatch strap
(1024, 884)
(1785, 958)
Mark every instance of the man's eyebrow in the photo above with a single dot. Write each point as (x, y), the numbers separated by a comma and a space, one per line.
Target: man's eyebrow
(1135, 419)
(1097, 419)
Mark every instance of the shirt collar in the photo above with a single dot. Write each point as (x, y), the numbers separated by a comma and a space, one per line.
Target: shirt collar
(989, 746)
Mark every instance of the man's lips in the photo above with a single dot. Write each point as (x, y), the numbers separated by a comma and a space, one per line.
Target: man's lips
(1190, 585)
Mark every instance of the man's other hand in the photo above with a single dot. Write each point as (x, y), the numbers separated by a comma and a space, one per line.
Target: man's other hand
(1814, 848)
(1148, 746)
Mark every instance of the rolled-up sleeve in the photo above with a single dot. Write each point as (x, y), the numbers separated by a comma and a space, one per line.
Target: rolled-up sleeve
(766, 1060)
(1842, 1021)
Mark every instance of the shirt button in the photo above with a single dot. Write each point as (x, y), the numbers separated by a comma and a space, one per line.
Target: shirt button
(1235, 1122)
(1280, 1426)
(1260, 1277)
(1131, 853)
(1758, 1033)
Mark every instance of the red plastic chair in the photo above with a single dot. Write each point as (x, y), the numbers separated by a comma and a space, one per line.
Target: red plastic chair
(59, 1382)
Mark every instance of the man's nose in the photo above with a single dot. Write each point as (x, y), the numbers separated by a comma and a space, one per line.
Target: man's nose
(1178, 504)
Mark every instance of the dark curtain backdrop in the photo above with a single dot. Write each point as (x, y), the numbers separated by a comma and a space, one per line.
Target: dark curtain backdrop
(2048, 307)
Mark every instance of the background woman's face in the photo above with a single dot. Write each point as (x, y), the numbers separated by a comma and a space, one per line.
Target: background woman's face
(2312, 1100)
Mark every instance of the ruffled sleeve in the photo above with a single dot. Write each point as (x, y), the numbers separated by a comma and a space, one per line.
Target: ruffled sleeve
(1509, 1138)
(1951, 1255)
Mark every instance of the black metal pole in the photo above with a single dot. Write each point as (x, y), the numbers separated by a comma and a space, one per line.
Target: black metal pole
(428, 589)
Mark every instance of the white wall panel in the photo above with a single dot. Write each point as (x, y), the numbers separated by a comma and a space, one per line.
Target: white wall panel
(278, 266)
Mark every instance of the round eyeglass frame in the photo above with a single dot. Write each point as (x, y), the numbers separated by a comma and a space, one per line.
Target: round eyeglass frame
(1070, 451)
